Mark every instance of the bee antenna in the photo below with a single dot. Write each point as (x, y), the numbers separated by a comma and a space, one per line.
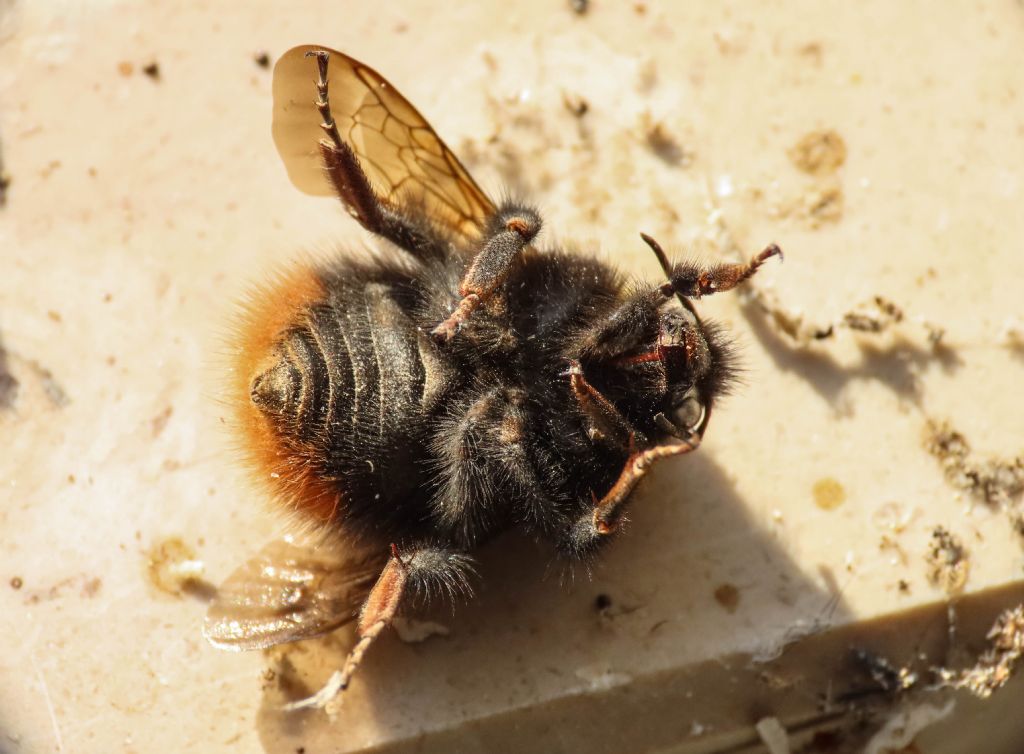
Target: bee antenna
(667, 288)
(659, 252)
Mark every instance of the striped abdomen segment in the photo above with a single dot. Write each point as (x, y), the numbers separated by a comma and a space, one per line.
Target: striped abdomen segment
(345, 372)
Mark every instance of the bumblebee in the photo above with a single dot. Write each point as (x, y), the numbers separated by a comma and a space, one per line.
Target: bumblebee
(459, 383)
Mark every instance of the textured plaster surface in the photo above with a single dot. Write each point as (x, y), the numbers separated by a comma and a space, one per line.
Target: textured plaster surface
(140, 207)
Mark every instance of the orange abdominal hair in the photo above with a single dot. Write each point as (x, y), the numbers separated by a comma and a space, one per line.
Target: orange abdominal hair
(266, 315)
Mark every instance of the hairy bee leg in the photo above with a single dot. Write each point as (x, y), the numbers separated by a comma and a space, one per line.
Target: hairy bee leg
(623, 327)
(323, 102)
(596, 525)
(352, 185)
(608, 510)
(689, 280)
(380, 608)
(606, 422)
(424, 568)
(512, 228)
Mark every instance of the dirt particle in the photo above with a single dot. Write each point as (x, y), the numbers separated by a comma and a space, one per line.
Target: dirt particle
(828, 494)
(262, 59)
(51, 387)
(602, 602)
(948, 561)
(823, 205)
(890, 678)
(995, 667)
(172, 567)
(51, 166)
(125, 68)
(17, 583)
(812, 51)
(8, 382)
(54, 316)
(1011, 336)
(728, 596)
(91, 587)
(889, 544)
(879, 315)
(663, 143)
(935, 334)
(993, 481)
(152, 70)
(159, 422)
(575, 104)
(5, 179)
(579, 7)
(819, 152)
(87, 586)
(892, 517)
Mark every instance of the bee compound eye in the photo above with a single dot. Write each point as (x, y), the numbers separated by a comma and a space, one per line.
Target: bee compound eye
(690, 413)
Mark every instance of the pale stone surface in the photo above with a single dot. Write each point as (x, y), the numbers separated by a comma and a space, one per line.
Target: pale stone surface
(140, 208)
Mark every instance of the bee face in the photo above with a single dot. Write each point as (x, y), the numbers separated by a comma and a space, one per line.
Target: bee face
(462, 382)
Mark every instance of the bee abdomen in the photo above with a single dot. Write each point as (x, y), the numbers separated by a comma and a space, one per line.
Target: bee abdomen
(275, 390)
(296, 388)
(349, 370)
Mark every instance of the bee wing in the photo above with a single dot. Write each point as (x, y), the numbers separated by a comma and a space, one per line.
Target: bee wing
(399, 151)
(289, 592)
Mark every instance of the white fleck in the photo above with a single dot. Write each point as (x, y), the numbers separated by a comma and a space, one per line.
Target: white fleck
(724, 186)
(602, 678)
(773, 735)
(413, 631)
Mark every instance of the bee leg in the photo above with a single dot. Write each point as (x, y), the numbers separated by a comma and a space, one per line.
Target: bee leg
(595, 526)
(353, 187)
(378, 611)
(323, 102)
(425, 569)
(691, 281)
(605, 422)
(625, 328)
(511, 229)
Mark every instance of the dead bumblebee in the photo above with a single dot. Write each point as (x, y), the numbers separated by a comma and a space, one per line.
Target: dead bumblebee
(460, 384)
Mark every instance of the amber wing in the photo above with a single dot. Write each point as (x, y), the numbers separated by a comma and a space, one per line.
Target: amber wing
(290, 592)
(399, 151)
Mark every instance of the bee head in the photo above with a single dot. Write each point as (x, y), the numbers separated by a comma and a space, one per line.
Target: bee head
(698, 366)
(666, 376)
